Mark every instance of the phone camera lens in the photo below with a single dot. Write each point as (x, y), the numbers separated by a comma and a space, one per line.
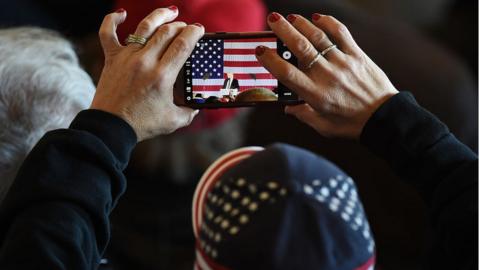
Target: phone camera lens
(287, 55)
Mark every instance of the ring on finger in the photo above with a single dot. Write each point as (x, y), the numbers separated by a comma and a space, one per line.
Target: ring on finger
(314, 60)
(320, 54)
(329, 48)
(136, 39)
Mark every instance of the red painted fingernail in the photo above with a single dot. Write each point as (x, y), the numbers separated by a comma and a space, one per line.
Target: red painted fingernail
(291, 18)
(274, 16)
(173, 8)
(260, 50)
(316, 16)
(198, 24)
(120, 10)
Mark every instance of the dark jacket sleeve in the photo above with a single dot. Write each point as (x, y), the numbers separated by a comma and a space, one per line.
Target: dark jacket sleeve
(56, 214)
(422, 151)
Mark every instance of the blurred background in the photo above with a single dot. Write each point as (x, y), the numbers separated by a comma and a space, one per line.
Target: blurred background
(427, 47)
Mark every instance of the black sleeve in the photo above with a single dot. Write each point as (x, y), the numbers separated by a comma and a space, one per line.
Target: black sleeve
(422, 151)
(56, 214)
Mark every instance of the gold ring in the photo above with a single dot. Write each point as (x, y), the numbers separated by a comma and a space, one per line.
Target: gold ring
(136, 39)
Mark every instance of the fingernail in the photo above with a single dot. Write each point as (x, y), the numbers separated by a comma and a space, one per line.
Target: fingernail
(173, 8)
(291, 18)
(260, 50)
(316, 16)
(198, 24)
(120, 10)
(273, 17)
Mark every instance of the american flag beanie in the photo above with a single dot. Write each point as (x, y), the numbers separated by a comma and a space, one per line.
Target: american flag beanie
(279, 208)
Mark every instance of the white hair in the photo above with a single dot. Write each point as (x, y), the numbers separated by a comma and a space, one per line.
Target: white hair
(42, 87)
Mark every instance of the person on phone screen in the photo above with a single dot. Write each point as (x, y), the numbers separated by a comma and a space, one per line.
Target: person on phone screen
(231, 82)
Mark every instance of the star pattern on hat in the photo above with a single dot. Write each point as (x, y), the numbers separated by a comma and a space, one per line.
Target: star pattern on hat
(340, 195)
(231, 205)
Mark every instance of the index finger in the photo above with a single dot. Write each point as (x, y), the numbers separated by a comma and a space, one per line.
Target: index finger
(286, 73)
(300, 46)
(181, 48)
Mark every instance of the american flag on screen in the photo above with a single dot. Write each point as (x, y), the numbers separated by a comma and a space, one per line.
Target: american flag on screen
(212, 59)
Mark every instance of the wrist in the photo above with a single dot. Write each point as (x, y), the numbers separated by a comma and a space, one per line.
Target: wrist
(375, 106)
(113, 109)
(115, 132)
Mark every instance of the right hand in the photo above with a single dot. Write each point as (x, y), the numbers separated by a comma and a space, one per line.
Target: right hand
(341, 90)
(137, 81)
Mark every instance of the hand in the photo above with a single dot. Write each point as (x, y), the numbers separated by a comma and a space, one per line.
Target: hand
(342, 89)
(137, 81)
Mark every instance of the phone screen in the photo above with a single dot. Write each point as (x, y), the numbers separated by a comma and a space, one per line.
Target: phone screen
(223, 71)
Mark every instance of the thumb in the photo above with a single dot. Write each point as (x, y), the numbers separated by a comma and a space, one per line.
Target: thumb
(186, 116)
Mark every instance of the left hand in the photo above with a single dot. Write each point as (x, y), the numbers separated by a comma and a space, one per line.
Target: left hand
(342, 89)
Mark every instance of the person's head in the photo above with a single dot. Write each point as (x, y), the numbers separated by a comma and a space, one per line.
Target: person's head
(279, 208)
(230, 75)
(42, 87)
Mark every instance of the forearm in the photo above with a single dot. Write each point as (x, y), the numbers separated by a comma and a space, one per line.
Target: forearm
(422, 151)
(56, 213)
(417, 145)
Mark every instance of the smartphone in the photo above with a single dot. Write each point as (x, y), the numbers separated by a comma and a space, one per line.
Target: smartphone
(223, 72)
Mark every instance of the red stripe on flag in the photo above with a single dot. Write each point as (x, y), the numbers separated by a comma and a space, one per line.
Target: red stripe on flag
(243, 76)
(201, 88)
(216, 88)
(268, 39)
(242, 64)
(239, 51)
